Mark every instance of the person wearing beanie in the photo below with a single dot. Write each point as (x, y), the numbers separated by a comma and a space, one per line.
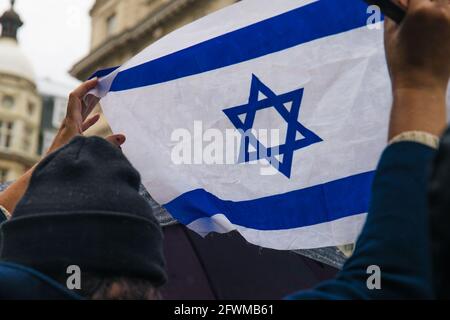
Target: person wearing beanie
(80, 207)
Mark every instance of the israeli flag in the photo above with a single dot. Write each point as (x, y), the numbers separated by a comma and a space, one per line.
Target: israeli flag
(267, 117)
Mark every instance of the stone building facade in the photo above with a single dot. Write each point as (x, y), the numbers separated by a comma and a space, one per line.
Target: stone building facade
(20, 103)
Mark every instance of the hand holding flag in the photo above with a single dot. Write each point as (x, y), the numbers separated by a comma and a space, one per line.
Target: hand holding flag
(390, 8)
(77, 119)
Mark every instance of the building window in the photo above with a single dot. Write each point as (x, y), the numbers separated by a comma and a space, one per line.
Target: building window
(6, 131)
(48, 138)
(31, 108)
(27, 139)
(111, 24)
(8, 102)
(59, 111)
(3, 175)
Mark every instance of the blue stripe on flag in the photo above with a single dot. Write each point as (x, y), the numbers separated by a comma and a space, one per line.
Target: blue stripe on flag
(308, 23)
(103, 73)
(305, 207)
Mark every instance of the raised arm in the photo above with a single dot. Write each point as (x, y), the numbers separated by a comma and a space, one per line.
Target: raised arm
(75, 123)
(395, 239)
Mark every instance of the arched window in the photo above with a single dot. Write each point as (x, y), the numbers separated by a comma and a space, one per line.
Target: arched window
(6, 134)
(8, 102)
(27, 139)
(31, 108)
(3, 175)
(111, 25)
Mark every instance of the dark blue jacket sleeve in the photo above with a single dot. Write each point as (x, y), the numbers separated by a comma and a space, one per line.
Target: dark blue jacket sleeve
(2, 216)
(395, 237)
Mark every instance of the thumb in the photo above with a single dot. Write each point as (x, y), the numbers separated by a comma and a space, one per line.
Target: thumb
(389, 26)
(402, 3)
(116, 139)
(415, 4)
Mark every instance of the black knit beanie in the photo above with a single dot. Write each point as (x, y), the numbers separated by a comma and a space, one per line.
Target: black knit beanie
(83, 208)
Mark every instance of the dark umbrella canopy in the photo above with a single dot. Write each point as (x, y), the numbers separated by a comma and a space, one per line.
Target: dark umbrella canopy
(227, 267)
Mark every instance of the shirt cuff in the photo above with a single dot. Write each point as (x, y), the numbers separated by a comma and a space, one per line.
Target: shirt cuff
(421, 137)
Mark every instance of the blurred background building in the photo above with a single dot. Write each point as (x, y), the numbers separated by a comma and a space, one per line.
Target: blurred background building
(123, 28)
(54, 104)
(20, 103)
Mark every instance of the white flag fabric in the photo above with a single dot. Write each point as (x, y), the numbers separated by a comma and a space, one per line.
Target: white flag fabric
(267, 117)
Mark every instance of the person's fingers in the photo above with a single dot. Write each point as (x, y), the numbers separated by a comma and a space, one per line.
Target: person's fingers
(75, 110)
(86, 110)
(84, 88)
(443, 2)
(416, 4)
(402, 3)
(389, 27)
(116, 139)
(90, 122)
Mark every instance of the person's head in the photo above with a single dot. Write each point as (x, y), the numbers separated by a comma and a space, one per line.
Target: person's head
(83, 208)
(104, 287)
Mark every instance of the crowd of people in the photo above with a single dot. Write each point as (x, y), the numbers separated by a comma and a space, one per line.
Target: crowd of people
(81, 205)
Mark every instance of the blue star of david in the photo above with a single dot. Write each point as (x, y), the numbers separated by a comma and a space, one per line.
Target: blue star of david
(278, 102)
